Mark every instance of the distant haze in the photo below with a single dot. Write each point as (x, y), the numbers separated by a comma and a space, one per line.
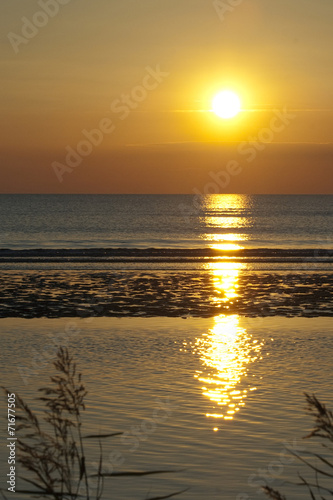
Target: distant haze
(115, 97)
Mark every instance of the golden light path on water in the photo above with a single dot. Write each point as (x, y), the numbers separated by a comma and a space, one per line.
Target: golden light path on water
(227, 350)
(225, 353)
(226, 220)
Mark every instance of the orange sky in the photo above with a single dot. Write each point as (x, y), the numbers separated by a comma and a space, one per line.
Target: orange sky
(115, 97)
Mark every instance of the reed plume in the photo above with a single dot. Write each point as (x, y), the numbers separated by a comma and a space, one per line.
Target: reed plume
(52, 449)
(320, 464)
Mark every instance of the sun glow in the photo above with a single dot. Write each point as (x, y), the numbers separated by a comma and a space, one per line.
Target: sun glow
(226, 104)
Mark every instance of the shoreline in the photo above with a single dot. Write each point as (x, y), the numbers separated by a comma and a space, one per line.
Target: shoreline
(82, 294)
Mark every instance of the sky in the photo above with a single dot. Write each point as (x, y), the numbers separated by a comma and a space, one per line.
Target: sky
(116, 97)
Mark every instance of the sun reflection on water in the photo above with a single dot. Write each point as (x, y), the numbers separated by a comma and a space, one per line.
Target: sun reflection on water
(225, 277)
(227, 350)
(225, 353)
(226, 220)
(226, 241)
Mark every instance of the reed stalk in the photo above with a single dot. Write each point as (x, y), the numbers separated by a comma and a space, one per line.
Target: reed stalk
(52, 449)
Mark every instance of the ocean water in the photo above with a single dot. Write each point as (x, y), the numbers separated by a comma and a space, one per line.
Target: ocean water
(219, 308)
(169, 231)
(165, 221)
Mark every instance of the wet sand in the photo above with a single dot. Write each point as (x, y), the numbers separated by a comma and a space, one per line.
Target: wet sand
(56, 294)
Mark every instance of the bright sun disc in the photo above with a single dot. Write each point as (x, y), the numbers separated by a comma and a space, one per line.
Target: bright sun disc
(226, 104)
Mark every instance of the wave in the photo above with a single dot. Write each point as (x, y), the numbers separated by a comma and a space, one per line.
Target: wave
(166, 255)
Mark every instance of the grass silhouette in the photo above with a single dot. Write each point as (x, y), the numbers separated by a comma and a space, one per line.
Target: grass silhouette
(319, 465)
(52, 449)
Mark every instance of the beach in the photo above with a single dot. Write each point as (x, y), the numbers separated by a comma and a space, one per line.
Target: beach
(166, 250)
(196, 344)
(225, 290)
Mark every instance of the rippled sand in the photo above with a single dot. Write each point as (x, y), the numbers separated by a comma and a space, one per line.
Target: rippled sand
(76, 293)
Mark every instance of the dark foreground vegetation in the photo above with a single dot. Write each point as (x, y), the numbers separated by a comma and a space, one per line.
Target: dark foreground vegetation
(319, 465)
(52, 450)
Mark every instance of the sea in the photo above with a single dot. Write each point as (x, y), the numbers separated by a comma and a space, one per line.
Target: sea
(165, 221)
(198, 324)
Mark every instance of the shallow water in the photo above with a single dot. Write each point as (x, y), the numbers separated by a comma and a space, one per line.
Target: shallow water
(249, 373)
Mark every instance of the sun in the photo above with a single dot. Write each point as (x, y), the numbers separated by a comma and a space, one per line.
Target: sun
(226, 104)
